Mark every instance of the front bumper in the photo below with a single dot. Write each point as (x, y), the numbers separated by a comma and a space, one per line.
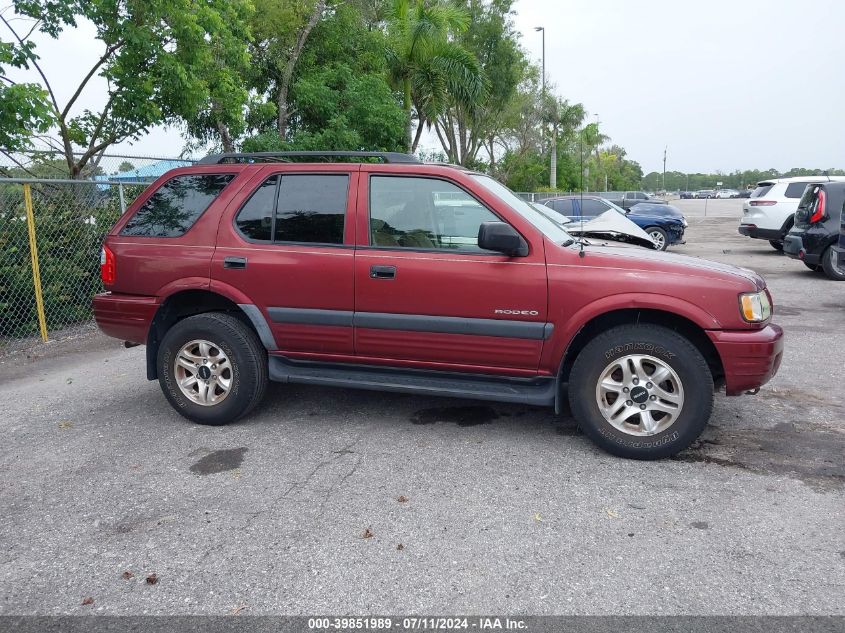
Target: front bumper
(750, 358)
(127, 317)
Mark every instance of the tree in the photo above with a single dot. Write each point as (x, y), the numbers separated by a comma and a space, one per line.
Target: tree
(465, 126)
(163, 61)
(281, 29)
(428, 67)
(339, 98)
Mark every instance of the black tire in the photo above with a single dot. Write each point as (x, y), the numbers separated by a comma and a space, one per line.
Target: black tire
(814, 267)
(778, 246)
(674, 351)
(249, 367)
(830, 267)
(660, 237)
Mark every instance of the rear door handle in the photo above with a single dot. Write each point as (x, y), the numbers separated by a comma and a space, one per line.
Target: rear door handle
(383, 272)
(234, 262)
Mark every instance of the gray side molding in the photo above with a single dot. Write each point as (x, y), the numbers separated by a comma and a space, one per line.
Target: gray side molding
(340, 318)
(451, 325)
(260, 325)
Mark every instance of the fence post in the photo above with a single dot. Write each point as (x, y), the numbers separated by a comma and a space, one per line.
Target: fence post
(33, 251)
(122, 200)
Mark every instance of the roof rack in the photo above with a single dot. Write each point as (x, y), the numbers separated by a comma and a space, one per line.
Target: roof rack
(289, 157)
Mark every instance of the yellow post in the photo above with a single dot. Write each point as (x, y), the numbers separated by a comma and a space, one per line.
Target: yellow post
(33, 251)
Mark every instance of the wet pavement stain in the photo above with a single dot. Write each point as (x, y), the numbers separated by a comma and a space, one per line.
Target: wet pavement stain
(781, 450)
(462, 416)
(782, 310)
(219, 461)
(700, 525)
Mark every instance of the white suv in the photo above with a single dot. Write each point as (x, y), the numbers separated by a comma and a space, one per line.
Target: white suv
(768, 213)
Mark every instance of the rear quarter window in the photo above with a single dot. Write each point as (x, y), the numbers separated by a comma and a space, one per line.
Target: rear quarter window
(762, 189)
(795, 189)
(176, 205)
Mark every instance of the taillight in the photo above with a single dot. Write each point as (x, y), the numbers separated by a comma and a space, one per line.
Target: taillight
(107, 266)
(762, 203)
(819, 213)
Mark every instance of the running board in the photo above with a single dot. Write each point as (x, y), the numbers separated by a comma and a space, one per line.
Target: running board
(536, 391)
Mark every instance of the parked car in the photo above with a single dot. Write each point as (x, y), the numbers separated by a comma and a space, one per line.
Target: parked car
(840, 248)
(745, 193)
(817, 227)
(668, 210)
(665, 230)
(627, 199)
(687, 195)
(246, 268)
(704, 193)
(768, 214)
(724, 194)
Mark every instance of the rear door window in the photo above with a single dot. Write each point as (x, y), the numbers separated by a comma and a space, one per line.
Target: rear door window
(762, 189)
(296, 208)
(255, 219)
(176, 205)
(311, 208)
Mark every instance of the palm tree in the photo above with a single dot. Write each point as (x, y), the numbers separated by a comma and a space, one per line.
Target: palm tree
(426, 65)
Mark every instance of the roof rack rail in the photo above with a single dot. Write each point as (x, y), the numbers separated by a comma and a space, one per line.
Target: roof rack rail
(289, 157)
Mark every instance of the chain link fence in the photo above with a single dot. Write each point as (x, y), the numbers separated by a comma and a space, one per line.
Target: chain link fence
(51, 231)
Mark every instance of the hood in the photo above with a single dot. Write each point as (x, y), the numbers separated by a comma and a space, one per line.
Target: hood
(664, 210)
(611, 225)
(694, 265)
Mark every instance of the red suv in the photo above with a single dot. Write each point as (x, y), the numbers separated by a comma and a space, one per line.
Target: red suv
(400, 276)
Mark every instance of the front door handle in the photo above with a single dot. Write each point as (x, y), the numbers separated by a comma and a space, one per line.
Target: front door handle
(238, 263)
(383, 272)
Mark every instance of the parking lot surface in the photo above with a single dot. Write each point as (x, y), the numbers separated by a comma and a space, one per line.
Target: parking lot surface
(332, 501)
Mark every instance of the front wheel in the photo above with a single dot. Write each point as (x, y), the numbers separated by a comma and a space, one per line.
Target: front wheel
(212, 368)
(831, 266)
(661, 242)
(641, 391)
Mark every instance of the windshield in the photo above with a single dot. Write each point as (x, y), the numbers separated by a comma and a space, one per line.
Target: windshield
(548, 227)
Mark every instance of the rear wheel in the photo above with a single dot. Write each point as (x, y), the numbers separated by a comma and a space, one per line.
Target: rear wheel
(659, 237)
(830, 265)
(778, 246)
(641, 391)
(212, 368)
(814, 267)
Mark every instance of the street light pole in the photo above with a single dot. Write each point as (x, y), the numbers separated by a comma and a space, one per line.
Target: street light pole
(553, 159)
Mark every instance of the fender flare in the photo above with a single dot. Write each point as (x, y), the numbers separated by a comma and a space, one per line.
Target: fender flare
(565, 335)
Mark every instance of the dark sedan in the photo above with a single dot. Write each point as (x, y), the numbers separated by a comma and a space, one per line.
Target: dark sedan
(665, 230)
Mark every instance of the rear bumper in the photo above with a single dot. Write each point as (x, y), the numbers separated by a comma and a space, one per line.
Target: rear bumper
(806, 246)
(752, 230)
(126, 317)
(750, 358)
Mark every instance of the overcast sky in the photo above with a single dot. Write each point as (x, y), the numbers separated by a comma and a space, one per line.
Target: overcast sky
(726, 84)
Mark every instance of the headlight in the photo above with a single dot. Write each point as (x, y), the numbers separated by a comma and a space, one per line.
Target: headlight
(685, 223)
(755, 307)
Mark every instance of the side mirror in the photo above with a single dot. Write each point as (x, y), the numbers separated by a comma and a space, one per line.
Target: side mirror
(502, 238)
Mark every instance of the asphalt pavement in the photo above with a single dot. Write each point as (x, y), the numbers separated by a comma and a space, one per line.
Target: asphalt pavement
(334, 501)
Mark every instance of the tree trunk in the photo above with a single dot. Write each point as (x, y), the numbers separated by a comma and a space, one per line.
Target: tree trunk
(406, 105)
(287, 73)
(225, 137)
(417, 136)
